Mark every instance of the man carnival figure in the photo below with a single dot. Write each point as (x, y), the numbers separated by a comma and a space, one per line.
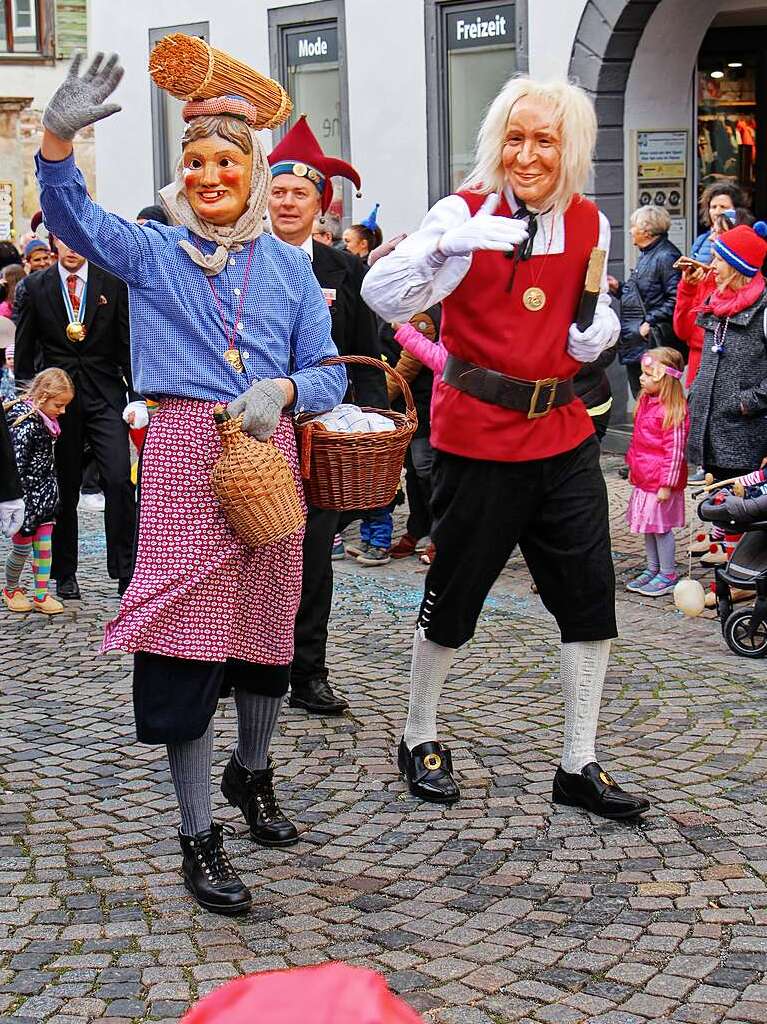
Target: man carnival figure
(517, 461)
(220, 312)
(301, 190)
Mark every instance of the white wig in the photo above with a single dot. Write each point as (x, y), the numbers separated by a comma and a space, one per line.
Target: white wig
(575, 119)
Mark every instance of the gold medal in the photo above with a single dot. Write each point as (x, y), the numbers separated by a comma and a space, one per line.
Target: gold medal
(534, 299)
(76, 331)
(234, 359)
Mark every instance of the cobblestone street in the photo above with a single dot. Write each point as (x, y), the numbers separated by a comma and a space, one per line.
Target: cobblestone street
(503, 908)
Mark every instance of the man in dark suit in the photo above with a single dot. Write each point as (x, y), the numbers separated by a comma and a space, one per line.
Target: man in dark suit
(301, 190)
(75, 316)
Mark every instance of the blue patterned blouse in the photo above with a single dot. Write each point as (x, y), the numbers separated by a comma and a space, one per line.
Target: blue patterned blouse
(178, 338)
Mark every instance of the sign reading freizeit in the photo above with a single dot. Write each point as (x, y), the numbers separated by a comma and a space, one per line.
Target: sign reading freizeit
(312, 45)
(486, 26)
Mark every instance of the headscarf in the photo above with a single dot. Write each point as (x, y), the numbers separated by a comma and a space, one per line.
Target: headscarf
(226, 236)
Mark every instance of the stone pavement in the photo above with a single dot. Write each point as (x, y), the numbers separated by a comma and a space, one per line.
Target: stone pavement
(502, 908)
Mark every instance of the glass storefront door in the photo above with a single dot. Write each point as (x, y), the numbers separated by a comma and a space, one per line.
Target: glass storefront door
(314, 84)
(731, 90)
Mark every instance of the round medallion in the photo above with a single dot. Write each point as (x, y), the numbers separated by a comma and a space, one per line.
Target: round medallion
(534, 299)
(75, 331)
(300, 170)
(232, 357)
(432, 762)
(605, 778)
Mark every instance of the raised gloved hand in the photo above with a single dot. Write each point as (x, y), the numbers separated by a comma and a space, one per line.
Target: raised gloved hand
(79, 101)
(260, 407)
(136, 415)
(483, 231)
(11, 516)
(588, 345)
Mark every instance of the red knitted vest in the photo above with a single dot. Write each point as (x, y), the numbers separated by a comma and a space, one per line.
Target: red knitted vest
(485, 324)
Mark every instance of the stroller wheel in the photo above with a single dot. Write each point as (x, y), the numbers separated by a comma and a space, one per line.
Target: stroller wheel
(737, 634)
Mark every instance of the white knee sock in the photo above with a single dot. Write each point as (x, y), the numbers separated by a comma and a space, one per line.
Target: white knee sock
(428, 671)
(583, 669)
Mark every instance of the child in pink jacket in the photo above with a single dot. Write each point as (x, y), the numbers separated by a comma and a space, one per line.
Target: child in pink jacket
(658, 468)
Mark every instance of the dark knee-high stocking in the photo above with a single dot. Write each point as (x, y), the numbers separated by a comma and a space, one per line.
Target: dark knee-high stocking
(190, 768)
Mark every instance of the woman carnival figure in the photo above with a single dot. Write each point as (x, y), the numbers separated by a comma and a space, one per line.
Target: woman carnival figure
(516, 458)
(220, 312)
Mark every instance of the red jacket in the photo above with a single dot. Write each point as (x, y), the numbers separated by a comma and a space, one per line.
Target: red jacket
(689, 299)
(656, 455)
(485, 324)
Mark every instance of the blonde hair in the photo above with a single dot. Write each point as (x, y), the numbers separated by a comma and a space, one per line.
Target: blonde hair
(655, 220)
(671, 392)
(735, 281)
(574, 118)
(43, 386)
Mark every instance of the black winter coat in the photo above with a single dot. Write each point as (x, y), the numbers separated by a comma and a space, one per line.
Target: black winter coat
(728, 402)
(652, 283)
(354, 328)
(33, 448)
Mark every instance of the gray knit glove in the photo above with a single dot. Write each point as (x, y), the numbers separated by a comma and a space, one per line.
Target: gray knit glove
(261, 407)
(78, 101)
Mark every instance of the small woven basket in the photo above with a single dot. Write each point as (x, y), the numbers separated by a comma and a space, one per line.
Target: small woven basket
(346, 472)
(190, 69)
(255, 485)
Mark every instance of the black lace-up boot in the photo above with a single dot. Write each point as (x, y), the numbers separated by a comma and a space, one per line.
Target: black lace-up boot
(209, 876)
(253, 793)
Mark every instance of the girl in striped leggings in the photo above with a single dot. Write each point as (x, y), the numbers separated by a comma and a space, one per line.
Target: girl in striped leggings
(34, 426)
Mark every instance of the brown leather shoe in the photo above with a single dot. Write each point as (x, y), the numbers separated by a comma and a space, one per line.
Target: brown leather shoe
(405, 546)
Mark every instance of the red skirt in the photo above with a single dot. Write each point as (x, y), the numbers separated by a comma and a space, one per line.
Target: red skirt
(198, 591)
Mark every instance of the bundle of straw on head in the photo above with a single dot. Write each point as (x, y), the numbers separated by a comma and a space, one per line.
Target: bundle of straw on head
(190, 69)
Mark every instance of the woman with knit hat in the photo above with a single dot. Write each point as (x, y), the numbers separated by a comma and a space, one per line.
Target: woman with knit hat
(220, 312)
(729, 398)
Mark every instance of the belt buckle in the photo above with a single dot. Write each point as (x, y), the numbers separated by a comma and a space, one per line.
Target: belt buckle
(545, 382)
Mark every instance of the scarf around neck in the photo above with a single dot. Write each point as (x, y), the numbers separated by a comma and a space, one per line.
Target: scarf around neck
(729, 302)
(229, 236)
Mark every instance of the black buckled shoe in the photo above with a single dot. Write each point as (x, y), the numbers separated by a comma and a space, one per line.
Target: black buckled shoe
(68, 589)
(209, 876)
(595, 790)
(428, 771)
(253, 793)
(316, 696)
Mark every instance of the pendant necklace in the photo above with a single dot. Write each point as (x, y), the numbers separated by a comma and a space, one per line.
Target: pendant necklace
(75, 328)
(232, 354)
(720, 336)
(534, 297)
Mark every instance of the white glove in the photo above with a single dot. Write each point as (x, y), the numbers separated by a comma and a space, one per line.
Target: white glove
(136, 414)
(11, 516)
(483, 231)
(588, 345)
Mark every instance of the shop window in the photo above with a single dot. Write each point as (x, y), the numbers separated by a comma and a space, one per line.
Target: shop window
(307, 49)
(727, 120)
(25, 28)
(478, 47)
(167, 123)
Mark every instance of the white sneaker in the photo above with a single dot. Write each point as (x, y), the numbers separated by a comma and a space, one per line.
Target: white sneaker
(91, 503)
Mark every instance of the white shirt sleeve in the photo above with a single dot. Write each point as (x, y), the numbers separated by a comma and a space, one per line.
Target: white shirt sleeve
(604, 310)
(416, 275)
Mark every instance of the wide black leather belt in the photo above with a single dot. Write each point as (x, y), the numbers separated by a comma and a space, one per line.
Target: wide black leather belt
(535, 397)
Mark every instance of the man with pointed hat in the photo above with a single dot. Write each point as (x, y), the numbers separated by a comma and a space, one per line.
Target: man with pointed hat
(301, 190)
(221, 312)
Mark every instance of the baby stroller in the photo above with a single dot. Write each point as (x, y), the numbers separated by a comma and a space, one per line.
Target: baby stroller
(744, 629)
